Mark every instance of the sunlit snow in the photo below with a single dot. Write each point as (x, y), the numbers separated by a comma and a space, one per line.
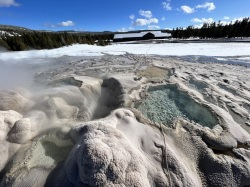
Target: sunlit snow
(169, 49)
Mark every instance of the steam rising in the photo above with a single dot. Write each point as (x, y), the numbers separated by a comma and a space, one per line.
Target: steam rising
(15, 75)
(37, 132)
(73, 131)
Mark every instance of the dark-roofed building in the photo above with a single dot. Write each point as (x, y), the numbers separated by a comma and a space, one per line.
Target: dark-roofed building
(140, 36)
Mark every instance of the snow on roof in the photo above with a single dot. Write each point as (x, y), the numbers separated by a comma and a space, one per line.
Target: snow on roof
(161, 34)
(141, 34)
(128, 35)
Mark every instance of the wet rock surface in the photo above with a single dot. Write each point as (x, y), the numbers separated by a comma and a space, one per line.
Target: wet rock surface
(127, 120)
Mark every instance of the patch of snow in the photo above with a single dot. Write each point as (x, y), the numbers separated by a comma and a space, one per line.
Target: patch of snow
(244, 58)
(221, 59)
(9, 33)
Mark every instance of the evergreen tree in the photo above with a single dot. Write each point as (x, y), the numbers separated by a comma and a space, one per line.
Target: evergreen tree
(215, 30)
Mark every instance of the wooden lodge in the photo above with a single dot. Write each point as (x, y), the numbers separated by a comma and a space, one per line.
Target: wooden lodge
(140, 36)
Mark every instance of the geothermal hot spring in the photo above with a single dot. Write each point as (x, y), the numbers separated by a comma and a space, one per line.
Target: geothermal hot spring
(166, 103)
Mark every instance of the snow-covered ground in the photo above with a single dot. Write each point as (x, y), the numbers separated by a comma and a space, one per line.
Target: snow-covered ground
(170, 49)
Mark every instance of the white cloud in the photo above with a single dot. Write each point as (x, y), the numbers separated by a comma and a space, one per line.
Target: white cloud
(152, 27)
(122, 30)
(237, 19)
(132, 16)
(232, 21)
(187, 9)
(140, 22)
(51, 25)
(166, 5)
(147, 20)
(153, 20)
(61, 24)
(210, 20)
(79, 29)
(66, 23)
(225, 22)
(208, 6)
(146, 13)
(202, 20)
(8, 3)
(196, 20)
(143, 22)
(226, 18)
(163, 18)
(198, 26)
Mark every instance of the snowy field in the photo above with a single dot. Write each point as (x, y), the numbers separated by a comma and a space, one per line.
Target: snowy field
(237, 50)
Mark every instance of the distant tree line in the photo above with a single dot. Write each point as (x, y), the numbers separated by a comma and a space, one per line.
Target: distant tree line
(48, 40)
(215, 30)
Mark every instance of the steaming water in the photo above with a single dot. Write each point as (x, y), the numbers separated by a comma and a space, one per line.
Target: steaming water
(165, 104)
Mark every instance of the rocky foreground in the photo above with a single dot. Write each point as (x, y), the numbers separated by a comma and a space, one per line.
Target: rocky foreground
(128, 120)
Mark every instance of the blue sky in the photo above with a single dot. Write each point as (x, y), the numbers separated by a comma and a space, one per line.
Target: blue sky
(118, 15)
